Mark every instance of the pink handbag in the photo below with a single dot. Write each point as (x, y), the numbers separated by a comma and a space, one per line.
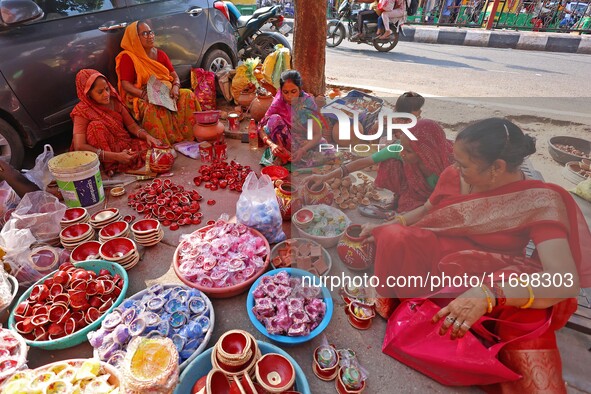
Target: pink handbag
(414, 340)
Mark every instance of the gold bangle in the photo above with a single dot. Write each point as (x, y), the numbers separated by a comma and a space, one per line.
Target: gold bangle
(488, 298)
(530, 290)
(400, 219)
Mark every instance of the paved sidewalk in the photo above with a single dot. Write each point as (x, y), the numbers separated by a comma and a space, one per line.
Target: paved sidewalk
(524, 40)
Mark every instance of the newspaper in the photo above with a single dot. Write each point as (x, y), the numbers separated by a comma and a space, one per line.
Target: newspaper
(159, 94)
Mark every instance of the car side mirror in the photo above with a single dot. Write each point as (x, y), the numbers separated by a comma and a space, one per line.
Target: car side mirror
(14, 12)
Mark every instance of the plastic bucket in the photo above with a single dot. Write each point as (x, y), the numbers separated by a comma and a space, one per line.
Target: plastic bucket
(79, 178)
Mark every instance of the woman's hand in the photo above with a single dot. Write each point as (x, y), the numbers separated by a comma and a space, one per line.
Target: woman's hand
(297, 156)
(174, 92)
(153, 141)
(280, 152)
(314, 180)
(366, 230)
(125, 157)
(460, 314)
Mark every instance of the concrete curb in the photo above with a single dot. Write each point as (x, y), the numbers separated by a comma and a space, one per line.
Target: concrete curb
(523, 40)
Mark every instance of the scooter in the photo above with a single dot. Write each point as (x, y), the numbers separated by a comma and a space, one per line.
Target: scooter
(346, 27)
(252, 42)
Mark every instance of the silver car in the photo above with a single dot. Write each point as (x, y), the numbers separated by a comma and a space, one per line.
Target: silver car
(43, 44)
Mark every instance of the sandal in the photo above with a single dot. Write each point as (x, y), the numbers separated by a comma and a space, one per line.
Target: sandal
(386, 35)
(372, 211)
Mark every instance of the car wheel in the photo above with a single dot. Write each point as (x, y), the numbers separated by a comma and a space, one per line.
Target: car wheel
(11, 146)
(216, 60)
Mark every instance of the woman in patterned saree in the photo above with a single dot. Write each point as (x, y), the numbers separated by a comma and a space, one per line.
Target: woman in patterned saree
(478, 221)
(138, 61)
(102, 124)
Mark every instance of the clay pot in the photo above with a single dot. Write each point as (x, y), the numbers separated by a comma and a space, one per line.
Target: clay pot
(259, 106)
(275, 373)
(246, 97)
(352, 251)
(208, 132)
(284, 198)
(326, 363)
(360, 315)
(318, 195)
(161, 159)
(342, 387)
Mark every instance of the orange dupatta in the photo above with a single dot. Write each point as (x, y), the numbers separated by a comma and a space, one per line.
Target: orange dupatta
(144, 66)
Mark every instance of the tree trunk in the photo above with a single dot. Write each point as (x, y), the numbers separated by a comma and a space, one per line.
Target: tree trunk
(309, 44)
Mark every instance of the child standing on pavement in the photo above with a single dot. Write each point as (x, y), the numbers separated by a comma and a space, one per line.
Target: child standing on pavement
(392, 10)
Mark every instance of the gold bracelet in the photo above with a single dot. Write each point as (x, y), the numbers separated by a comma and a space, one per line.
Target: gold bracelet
(400, 219)
(530, 290)
(488, 298)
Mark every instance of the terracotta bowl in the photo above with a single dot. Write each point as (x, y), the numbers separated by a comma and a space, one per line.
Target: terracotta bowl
(43, 259)
(585, 164)
(275, 172)
(75, 232)
(114, 230)
(86, 251)
(117, 249)
(73, 214)
(233, 345)
(145, 226)
(303, 218)
(207, 117)
(275, 373)
(104, 215)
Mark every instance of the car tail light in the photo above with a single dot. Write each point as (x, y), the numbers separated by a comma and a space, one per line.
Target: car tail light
(221, 7)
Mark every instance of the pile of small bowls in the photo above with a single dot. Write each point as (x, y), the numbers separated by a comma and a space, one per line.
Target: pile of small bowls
(122, 251)
(104, 218)
(76, 234)
(74, 216)
(147, 232)
(13, 352)
(86, 251)
(114, 230)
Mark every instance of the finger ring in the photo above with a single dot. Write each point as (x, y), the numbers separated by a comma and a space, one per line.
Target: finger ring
(457, 324)
(467, 325)
(450, 319)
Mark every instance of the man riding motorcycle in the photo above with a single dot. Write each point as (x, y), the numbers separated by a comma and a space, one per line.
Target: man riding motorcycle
(370, 15)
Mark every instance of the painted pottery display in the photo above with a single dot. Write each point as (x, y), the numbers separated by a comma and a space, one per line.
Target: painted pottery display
(321, 194)
(161, 159)
(353, 251)
(260, 105)
(284, 197)
(208, 132)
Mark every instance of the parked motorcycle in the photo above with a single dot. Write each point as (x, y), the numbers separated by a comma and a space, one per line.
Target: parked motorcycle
(252, 42)
(346, 27)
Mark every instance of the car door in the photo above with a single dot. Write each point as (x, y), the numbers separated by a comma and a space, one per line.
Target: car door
(180, 28)
(41, 58)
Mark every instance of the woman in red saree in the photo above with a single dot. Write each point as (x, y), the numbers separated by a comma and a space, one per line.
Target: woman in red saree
(103, 125)
(478, 222)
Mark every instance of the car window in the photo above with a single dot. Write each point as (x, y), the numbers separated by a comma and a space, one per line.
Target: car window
(57, 9)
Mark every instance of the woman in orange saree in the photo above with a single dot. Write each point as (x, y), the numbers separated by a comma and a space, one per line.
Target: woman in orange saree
(140, 60)
(478, 222)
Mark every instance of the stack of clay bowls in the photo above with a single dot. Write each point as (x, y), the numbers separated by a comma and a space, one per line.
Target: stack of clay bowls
(104, 218)
(147, 232)
(236, 353)
(74, 216)
(121, 251)
(86, 251)
(76, 234)
(114, 230)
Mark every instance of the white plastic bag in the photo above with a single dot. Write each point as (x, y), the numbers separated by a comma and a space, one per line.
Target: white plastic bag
(188, 148)
(258, 208)
(40, 212)
(40, 174)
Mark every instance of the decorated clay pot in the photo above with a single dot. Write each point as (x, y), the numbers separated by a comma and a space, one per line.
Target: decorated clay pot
(353, 251)
(360, 315)
(161, 159)
(314, 195)
(259, 106)
(326, 363)
(246, 97)
(284, 193)
(208, 132)
(349, 381)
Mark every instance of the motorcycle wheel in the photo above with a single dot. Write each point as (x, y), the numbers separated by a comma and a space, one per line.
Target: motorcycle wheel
(386, 46)
(335, 34)
(263, 46)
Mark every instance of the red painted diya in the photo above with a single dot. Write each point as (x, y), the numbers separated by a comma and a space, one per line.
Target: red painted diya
(357, 254)
(360, 315)
(161, 159)
(326, 363)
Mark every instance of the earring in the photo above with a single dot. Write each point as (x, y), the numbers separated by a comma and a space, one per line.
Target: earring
(493, 177)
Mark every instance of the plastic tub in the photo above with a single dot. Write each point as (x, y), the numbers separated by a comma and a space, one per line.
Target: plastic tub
(284, 339)
(78, 177)
(202, 365)
(80, 335)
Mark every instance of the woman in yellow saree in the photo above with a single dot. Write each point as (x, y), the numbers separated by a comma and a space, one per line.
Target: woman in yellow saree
(138, 61)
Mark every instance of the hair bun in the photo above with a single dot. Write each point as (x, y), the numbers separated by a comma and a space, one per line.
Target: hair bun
(528, 145)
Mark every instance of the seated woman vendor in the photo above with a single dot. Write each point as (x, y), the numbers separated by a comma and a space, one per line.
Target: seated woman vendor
(478, 221)
(284, 133)
(410, 173)
(103, 125)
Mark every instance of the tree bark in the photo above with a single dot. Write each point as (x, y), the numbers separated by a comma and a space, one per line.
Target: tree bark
(309, 44)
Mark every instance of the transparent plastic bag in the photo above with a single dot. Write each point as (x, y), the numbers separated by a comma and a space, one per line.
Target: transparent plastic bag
(188, 148)
(8, 199)
(40, 174)
(258, 208)
(40, 212)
